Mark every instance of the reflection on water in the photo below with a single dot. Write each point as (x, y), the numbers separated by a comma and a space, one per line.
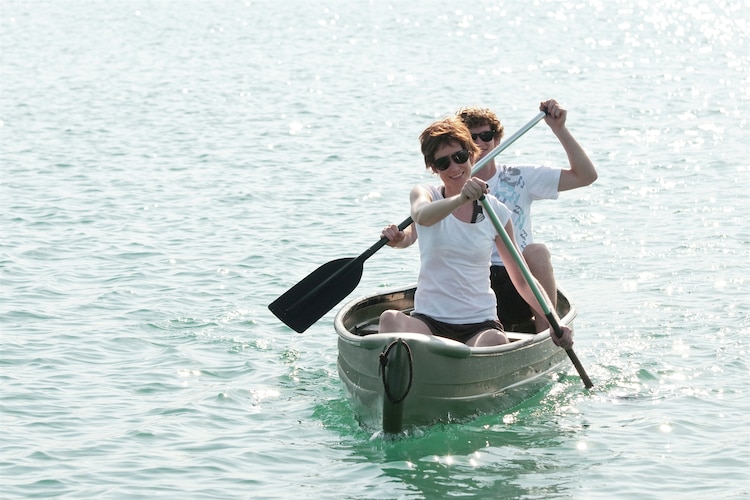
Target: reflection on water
(491, 455)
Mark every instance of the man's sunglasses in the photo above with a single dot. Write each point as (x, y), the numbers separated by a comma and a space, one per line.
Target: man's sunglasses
(459, 157)
(486, 136)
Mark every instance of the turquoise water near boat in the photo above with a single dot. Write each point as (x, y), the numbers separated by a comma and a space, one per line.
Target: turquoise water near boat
(170, 168)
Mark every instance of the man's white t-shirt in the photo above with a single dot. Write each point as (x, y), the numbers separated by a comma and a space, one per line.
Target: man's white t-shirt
(516, 186)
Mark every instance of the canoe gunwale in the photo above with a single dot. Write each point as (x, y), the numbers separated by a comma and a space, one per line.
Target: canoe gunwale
(565, 309)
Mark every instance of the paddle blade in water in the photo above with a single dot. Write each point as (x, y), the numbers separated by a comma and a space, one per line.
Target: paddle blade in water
(309, 300)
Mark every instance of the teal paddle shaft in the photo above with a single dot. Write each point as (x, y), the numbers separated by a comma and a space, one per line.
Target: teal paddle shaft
(534, 288)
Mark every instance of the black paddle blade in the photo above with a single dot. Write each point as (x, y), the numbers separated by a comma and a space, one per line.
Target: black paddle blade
(309, 300)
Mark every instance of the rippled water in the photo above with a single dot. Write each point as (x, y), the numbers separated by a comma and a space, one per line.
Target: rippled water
(168, 169)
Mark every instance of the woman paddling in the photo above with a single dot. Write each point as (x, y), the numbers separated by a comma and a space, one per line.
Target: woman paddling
(453, 297)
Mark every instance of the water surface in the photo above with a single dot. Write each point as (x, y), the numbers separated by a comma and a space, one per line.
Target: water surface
(168, 169)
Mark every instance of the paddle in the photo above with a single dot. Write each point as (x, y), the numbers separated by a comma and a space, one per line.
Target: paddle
(320, 291)
(534, 288)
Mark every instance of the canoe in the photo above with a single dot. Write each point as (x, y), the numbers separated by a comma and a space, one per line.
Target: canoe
(399, 380)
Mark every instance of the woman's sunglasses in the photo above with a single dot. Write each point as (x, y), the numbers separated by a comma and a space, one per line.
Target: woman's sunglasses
(459, 157)
(486, 136)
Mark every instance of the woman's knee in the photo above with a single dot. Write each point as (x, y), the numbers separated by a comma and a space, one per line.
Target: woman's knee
(389, 321)
(488, 338)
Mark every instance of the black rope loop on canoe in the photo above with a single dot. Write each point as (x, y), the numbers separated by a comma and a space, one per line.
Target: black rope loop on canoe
(384, 364)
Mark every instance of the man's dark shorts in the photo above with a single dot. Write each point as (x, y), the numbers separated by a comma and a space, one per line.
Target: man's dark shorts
(511, 307)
